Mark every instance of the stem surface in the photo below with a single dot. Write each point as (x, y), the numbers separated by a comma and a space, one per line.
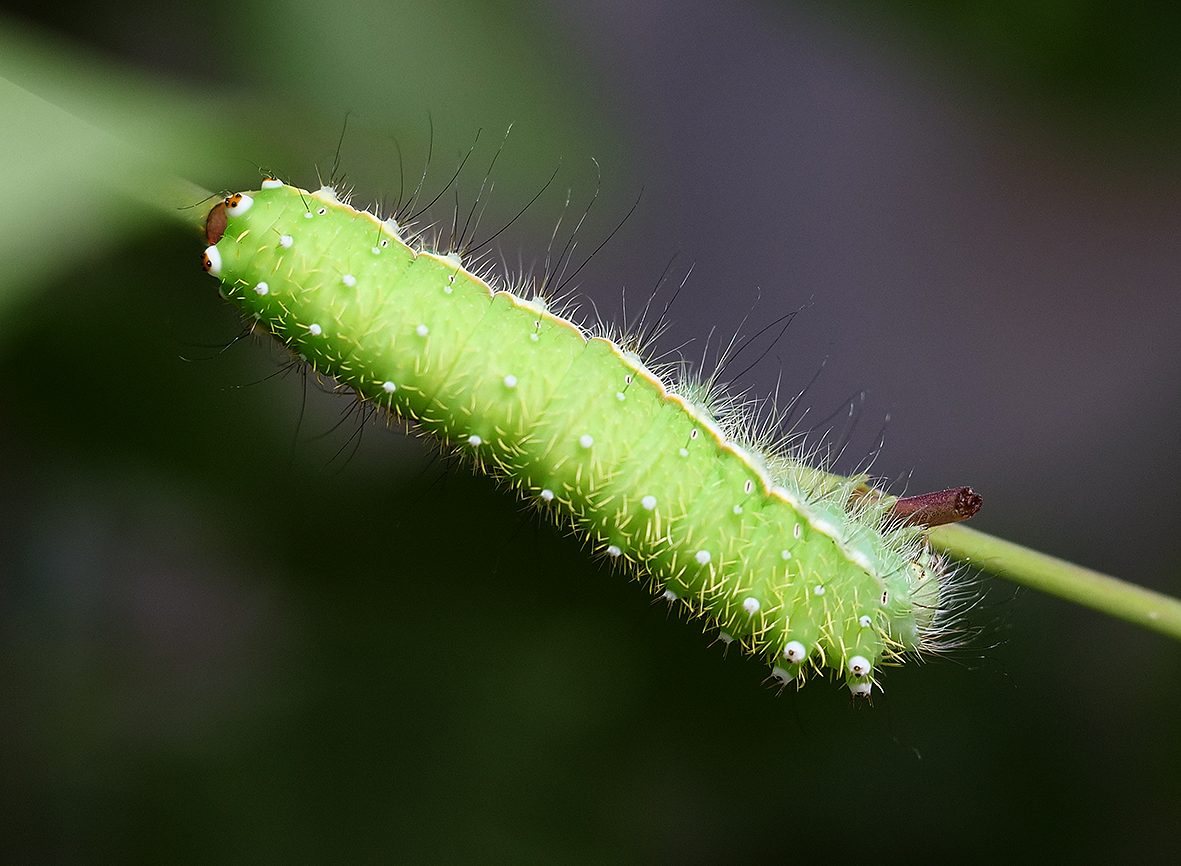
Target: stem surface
(1101, 592)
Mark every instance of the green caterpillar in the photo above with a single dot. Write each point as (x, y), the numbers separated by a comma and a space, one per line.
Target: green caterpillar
(788, 562)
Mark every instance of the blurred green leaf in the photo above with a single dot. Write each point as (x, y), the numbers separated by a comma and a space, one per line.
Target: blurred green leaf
(84, 145)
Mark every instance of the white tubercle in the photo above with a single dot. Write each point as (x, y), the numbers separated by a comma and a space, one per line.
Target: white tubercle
(213, 261)
(859, 666)
(794, 651)
(241, 203)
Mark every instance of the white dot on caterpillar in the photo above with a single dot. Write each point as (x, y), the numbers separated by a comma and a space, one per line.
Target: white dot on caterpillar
(620, 396)
(795, 651)
(326, 192)
(422, 330)
(684, 452)
(785, 554)
(861, 689)
(238, 204)
(349, 280)
(702, 556)
(613, 550)
(510, 381)
(375, 250)
(315, 330)
(737, 509)
(859, 666)
(308, 215)
(751, 605)
(865, 621)
(818, 589)
(286, 241)
(211, 261)
(389, 387)
(547, 495)
(726, 638)
(262, 288)
(271, 183)
(475, 441)
(669, 595)
(649, 503)
(586, 440)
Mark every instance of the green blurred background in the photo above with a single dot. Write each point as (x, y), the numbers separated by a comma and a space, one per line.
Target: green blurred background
(221, 641)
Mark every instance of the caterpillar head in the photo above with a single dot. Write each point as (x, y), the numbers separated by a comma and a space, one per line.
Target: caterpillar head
(216, 222)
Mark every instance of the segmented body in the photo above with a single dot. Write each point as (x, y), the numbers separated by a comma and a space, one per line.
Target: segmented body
(791, 568)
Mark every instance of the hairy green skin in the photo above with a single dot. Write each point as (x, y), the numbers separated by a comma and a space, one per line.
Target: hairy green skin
(751, 542)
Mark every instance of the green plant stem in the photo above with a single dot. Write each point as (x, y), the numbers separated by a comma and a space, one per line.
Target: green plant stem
(1110, 595)
(177, 198)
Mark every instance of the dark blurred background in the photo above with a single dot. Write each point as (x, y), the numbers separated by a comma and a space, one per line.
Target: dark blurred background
(221, 639)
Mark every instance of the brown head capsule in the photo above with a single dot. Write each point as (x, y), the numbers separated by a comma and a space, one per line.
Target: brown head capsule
(215, 224)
